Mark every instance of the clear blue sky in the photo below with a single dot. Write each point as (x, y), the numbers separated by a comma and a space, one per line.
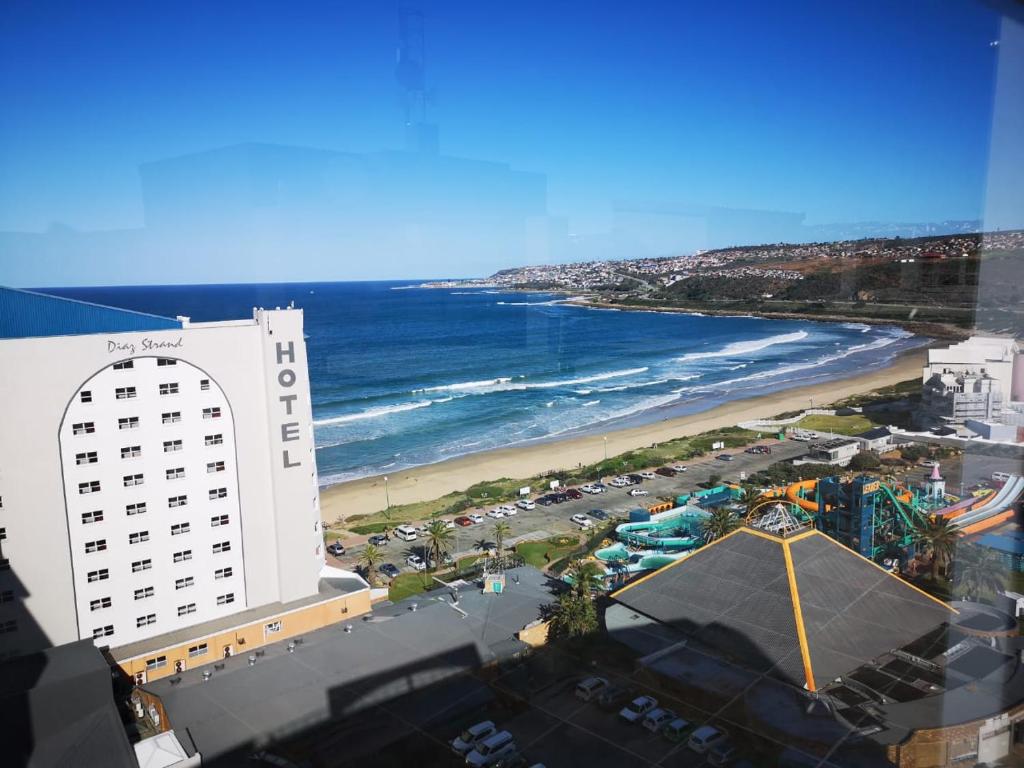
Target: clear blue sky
(841, 111)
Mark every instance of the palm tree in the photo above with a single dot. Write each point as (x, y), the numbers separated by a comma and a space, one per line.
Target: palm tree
(939, 536)
(978, 571)
(371, 558)
(439, 541)
(585, 574)
(500, 531)
(721, 522)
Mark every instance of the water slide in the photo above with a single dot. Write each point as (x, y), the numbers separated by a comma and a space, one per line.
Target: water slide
(997, 509)
(793, 493)
(672, 531)
(963, 506)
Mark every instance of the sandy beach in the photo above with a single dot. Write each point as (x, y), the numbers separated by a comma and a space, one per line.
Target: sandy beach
(366, 495)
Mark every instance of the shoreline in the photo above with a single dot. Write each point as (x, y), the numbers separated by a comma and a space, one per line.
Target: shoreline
(431, 481)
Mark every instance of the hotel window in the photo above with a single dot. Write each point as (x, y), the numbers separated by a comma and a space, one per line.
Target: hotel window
(184, 610)
(142, 565)
(157, 663)
(197, 650)
(179, 528)
(162, 361)
(130, 480)
(138, 537)
(225, 599)
(211, 413)
(125, 393)
(124, 365)
(218, 520)
(9, 626)
(214, 439)
(3, 534)
(131, 452)
(85, 396)
(95, 546)
(185, 583)
(93, 486)
(272, 627)
(218, 493)
(106, 631)
(223, 573)
(131, 422)
(7, 596)
(170, 446)
(204, 384)
(84, 428)
(89, 457)
(180, 557)
(177, 501)
(92, 517)
(223, 546)
(145, 621)
(170, 388)
(171, 418)
(99, 605)
(215, 466)
(142, 594)
(136, 509)
(175, 474)
(101, 575)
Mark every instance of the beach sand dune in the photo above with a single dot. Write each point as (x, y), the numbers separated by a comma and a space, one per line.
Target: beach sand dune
(366, 495)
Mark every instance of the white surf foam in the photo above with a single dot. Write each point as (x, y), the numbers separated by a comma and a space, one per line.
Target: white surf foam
(746, 347)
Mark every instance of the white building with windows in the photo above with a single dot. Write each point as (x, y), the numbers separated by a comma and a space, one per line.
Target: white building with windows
(155, 474)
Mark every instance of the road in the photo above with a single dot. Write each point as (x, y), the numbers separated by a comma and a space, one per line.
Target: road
(555, 519)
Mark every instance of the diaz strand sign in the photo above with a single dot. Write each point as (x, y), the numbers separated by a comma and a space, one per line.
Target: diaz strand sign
(146, 345)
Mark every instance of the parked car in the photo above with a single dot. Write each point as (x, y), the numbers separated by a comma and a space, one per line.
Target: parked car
(475, 518)
(679, 468)
(497, 514)
(665, 472)
(378, 539)
(590, 688)
(449, 524)
(725, 457)
(704, 738)
(337, 549)
(469, 738)
(526, 504)
(638, 492)
(463, 521)
(656, 719)
(588, 488)
(722, 753)
(614, 697)
(559, 497)
(599, 514)
(416, 563)
(546, 501)
(677, 730)
(388, 570)
(635, 478)
(581, 520)
(573, 494)
(635, 711)
(647, 475)
(406, 533)
(491, 750)
(618, 482)
(600, 487)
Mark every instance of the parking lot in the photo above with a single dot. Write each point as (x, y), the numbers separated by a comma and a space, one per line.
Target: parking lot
(542, 522)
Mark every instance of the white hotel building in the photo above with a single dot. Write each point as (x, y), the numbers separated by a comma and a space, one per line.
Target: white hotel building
(158, 486)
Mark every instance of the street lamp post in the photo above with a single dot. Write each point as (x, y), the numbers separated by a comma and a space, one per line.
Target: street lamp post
(387, 498)
(606, 447)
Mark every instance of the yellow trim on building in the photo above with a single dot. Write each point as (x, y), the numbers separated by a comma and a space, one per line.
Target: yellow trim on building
(245, 637)
(798, 615)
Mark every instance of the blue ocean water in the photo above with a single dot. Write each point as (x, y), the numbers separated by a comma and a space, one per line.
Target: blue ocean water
(404, 376)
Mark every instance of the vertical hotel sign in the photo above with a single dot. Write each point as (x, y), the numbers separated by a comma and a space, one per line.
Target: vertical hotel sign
(286, 381)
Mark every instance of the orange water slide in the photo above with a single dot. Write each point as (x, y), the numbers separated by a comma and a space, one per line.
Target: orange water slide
(988, 522)
(793, 494)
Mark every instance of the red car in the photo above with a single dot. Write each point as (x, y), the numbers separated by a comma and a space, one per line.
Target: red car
(463, 521)
(572, 493)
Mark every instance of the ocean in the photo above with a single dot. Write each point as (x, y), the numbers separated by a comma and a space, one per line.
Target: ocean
(404, 376)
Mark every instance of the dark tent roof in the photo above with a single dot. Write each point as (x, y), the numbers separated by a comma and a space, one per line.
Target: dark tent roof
(806, 608)
(876, 433)
(57, 709)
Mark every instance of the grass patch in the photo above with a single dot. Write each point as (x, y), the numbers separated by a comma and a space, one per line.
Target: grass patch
(406, 585)
(555, 548)
(367, 529)
(844, 425)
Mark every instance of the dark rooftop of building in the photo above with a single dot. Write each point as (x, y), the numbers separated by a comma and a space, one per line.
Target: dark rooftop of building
(875, 434)
(334, 673)
(28, 314)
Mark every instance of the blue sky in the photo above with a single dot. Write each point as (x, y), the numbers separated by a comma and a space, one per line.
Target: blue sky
(843, 112)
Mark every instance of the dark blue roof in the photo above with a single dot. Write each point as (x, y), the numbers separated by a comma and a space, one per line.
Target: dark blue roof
(27, 314)
(1011, 545)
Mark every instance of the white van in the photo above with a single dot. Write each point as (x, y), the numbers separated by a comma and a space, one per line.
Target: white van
(491, 750)
(406, 533)
(469, 738)
(1000, 477)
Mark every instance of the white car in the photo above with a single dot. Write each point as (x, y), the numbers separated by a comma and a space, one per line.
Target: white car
(590, 687)
(704, 738)
(647, 475)
(658, 718)
(618, 482)
(472, 736)
(526, 504)
(509, 511)
(497, 514)
(581, 520)
(638, 492)
(680, 468)
(449, 524)
(475, 518)
(491, 750)
(416, 563)
(590, 488)
(638, 708)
